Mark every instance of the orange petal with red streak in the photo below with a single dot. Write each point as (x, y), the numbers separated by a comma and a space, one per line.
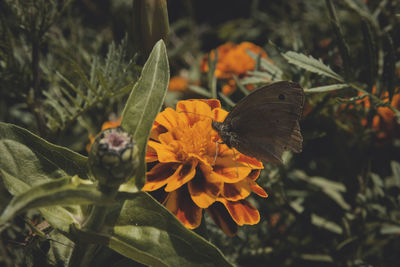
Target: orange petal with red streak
(219, 114)
(182, 175)
(237, 191)
(242, 211)
(229, 171)
(158, 176)
(203, 193)
(258, 189)
(180, 204)
(250, 162)
(151, 154)
(222, 218)
(164, 153)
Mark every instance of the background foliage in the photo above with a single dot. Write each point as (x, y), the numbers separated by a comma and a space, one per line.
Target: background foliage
(68, 66)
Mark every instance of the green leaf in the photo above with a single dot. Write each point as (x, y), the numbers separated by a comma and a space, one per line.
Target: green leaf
(275, 73)
(331, 189)
(33, 160)
(342, 45)
(317, 257)
(64, 192)
(327, 88)
(199, 90)
(148, 233)
(59, 217)
(145, 102)
(311, 64)
(395, 166)
(389, 229)
(226, 99)
(324, 223)
(255, 79)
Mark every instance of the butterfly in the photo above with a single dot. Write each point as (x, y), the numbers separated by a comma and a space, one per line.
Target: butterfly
(265, 123)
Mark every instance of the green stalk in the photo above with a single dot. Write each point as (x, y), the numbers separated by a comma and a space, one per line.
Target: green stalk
(83, 252)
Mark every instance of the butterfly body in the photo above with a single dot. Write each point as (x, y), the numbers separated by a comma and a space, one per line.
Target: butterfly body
(266, 122)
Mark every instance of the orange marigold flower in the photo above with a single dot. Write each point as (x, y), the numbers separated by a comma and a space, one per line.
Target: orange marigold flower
(177, 83)
(191, 170)
(232, 60)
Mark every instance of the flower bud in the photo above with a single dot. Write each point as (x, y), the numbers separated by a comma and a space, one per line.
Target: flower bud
(113, 157)
(150, 23)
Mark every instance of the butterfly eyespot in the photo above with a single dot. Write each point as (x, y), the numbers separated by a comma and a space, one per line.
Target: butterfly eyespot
(281, 97)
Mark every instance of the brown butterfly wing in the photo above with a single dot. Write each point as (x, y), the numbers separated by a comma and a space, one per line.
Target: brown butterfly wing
(266, 122)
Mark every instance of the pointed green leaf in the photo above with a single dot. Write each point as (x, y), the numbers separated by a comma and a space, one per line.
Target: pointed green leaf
(311, 64)
(317, 257)
(145, 102)
(199, 90)
(326, 88)
(33, 160)
(275, 72)
(148, 233)
(324, 223)
(395, 166)
(59, 217)
(64, 192)
(390, 229)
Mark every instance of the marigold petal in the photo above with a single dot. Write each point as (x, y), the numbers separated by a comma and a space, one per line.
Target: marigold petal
(258, 189)
(194, 110)
(183, 174)
(151, 154)
(229, 170)
(156, 130)
(180, 204)
(164, 153)
(250, 162)
(222, 218)
(219, 114)
(242, 211)
(254, 174)
(169, 119)
(202, 192)
(158, 176)
(237, 191)
(213, 103)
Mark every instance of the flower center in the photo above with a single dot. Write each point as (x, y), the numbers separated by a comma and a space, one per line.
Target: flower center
(196, 139)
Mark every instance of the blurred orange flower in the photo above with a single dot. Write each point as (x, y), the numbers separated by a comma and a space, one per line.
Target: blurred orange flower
(177, 83)
(384, 120)
(232, 60)
(191, 171)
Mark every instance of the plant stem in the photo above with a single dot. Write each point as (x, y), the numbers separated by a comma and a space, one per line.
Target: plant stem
(83, 252)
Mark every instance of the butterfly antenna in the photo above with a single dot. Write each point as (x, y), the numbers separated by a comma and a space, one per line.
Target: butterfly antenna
(248, 165)
(216, 153)
(237, 166)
